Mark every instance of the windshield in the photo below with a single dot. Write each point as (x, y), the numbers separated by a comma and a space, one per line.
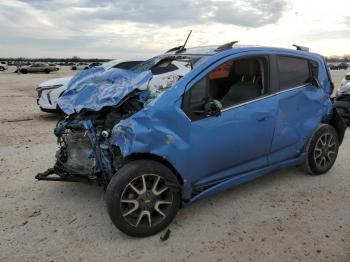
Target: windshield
(167, 70)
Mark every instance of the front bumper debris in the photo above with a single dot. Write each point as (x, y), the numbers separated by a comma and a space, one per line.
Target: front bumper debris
(55, 174)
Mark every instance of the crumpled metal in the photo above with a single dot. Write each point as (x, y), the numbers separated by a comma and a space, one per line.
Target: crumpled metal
(96, 88)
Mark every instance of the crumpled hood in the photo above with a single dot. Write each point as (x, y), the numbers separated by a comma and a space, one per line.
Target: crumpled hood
(96, 88)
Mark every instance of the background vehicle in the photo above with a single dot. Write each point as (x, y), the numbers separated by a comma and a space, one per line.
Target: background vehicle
(342, 101)
(234, 114)
(80, 66)
(3, 65)
(94, 64)
(345, 80)
(49, 91)
(55, 66)
(338, 66)
(37, 68)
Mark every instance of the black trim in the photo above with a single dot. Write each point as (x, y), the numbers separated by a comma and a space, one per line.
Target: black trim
(50, 110)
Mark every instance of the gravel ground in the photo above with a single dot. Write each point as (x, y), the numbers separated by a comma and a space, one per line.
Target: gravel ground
(283, 216)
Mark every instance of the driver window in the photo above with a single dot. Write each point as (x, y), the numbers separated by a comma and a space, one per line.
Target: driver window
(231, 83)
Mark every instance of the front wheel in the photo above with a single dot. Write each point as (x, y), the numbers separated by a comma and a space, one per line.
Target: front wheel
(322, 150)
(143, 198)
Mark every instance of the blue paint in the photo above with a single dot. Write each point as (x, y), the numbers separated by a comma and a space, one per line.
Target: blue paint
(96, 88)
(213, 153)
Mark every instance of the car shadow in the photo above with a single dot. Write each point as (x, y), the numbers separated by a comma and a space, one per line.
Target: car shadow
(49, 116)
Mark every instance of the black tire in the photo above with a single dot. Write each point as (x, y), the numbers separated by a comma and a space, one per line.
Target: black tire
(86, 68)
(74, 68)
(135, 174)
(24, 71)
(47, 71)
(2, 69)
(322, 150)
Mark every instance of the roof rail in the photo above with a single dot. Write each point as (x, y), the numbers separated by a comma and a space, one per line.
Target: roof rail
(225, 46)
(301, 48)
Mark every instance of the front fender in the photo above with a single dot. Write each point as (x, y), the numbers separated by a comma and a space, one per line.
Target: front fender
(161, 133)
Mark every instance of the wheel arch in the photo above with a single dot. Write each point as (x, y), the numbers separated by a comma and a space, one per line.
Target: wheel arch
(157, 158)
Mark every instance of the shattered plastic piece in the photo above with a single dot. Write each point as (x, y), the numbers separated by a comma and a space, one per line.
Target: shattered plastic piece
(165, 236)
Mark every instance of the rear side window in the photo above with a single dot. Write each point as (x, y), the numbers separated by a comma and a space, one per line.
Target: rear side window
(292, 72)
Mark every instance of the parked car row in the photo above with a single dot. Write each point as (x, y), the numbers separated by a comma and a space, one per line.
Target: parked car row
(190, 123)
(339, 66)
(84, 66)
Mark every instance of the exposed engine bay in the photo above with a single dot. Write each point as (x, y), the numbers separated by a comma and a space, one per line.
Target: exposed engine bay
(83, 144)
(85, 153)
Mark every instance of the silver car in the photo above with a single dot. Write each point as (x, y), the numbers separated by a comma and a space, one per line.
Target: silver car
(37, 68)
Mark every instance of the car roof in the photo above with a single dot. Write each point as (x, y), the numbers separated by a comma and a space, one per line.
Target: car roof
(211, 50)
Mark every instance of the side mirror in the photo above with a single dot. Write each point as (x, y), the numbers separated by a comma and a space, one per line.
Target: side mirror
(213, 108)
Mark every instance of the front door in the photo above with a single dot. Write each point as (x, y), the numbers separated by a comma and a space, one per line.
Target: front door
(239, 139)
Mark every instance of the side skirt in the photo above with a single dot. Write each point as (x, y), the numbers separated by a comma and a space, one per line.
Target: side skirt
(246, 177)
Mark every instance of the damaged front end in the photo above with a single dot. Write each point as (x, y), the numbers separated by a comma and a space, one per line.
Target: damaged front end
(95, 102)
(85, 153)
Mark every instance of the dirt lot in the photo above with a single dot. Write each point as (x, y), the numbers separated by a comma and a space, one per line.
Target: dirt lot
(283, 216)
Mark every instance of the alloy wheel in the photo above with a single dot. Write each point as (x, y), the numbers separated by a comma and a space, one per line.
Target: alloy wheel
(146, 201)
(325, 150)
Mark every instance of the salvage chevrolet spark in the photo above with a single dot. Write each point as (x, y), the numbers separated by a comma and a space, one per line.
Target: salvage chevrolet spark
(193, 122)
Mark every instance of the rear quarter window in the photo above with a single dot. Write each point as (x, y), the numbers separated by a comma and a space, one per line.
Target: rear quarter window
(292, 72)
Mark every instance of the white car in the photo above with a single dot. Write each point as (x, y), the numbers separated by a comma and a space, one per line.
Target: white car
(80, 66)
(345, 80)
(49, 91)
(3, 65)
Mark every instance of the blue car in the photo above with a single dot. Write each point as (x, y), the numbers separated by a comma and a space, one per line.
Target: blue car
(193, 122)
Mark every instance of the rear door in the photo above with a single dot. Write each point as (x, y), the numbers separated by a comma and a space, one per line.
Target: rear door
(299, 106)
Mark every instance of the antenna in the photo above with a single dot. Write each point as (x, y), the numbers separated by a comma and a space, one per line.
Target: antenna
(187, 39)
(180, 48)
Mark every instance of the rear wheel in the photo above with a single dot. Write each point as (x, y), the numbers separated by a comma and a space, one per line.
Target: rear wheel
(322, 150)
(24, 71)
(143, 198)
(47, 71)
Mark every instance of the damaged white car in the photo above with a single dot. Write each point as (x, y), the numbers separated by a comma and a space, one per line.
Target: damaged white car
(49, 91)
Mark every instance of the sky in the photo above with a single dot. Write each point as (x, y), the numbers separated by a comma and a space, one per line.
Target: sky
(142, 29)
